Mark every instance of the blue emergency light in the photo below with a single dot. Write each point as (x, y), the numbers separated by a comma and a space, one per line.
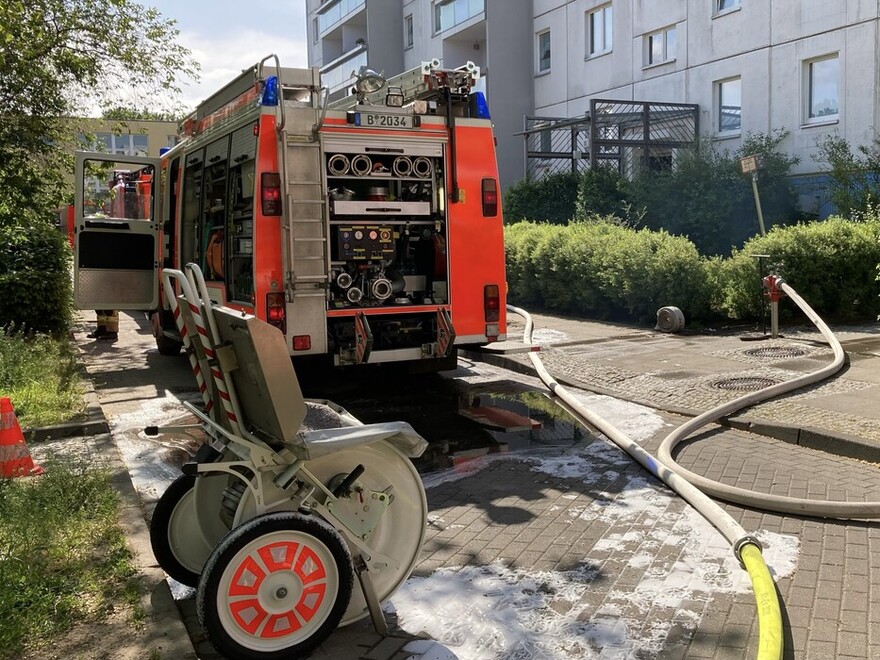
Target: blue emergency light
(270, 91)
(479, 107)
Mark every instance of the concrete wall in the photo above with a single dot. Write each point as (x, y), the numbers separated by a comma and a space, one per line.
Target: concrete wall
(510, 91)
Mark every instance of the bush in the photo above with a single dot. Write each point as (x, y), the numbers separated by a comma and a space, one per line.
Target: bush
(602, 191)
(855, 176)
(601, 269)
(35, 287)
(551, 199)
(706, 198)
(831, 264)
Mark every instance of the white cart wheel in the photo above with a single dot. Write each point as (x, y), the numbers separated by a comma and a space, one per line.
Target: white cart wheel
(178, 544)
(186, 525)
(275, 587)
(399, 533)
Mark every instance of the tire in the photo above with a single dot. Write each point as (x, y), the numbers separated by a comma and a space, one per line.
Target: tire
(159, 321)
(255, 603)
(175, 534)
(168, 346)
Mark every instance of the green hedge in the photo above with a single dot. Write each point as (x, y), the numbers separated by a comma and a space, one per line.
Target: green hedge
(35, 287)
(831, 264)
(600, 269)
(551, 199)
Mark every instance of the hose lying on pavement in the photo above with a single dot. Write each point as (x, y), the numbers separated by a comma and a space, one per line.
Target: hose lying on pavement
(750, 498)
(746, 548)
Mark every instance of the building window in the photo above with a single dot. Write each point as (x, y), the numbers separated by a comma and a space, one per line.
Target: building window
(315, 29)
(544, 51)
(823, 88)
(449, 13)
(660, 46)
(729, 105)
(408, 31)
(724, 5)
(599, 31)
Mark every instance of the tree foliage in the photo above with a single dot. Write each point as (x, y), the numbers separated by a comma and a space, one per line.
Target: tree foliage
(855, 174)
(706, 198)
(63, 58)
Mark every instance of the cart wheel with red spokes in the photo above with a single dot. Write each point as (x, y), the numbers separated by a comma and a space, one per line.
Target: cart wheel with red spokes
(275, 587)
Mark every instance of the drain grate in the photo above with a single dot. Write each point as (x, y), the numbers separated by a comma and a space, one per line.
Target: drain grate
(747, 384)
(775, 352)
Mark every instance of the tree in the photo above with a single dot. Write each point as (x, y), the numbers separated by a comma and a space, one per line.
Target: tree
(63, 58)
(855, 175)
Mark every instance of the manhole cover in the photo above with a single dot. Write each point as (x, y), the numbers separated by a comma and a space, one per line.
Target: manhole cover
(775, 352)
(748, 384)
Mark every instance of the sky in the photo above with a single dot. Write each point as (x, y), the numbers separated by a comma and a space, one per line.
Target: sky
(226, 36)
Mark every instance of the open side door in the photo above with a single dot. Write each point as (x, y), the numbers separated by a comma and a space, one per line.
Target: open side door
(116, 231)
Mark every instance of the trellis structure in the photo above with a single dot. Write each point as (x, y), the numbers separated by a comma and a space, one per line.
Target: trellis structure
(624, 135)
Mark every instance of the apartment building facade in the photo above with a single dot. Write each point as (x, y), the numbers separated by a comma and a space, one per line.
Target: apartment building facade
(807, 66)
(393, 36)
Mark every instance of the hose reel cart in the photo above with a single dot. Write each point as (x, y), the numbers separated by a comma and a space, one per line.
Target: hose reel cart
(291, 499)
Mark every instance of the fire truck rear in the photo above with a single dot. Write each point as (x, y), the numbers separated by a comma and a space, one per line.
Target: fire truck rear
(368, 229)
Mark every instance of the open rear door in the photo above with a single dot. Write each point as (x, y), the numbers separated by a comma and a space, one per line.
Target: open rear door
(116, 232)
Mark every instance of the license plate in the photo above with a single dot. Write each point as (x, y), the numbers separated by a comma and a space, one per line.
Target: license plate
(386, 121)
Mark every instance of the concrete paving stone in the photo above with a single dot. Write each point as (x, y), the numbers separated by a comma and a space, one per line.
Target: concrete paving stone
(855, 573)
(824, 630)
(853, 620)
(855, 600)
(854, 644)
(799, 596)
(703, 645)
(821, 650)
(826, 608)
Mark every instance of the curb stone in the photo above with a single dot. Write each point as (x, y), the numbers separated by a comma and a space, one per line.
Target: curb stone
(830, 442)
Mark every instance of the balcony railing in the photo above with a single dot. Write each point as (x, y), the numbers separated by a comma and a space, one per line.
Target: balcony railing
(336, 12)
(339, 72)
(453, 12)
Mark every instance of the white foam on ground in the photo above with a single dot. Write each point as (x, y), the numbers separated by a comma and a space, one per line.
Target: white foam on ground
(499, 612)
(146, 458)
(542, 336)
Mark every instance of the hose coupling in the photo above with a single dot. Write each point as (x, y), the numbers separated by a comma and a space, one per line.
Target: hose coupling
(748, 539)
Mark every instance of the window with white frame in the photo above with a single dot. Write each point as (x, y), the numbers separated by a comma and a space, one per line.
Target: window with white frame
(408, 31)
(544, 51)
(729, 108)
(315, 31)
(724, 5)
(599, 31)
(823, 88)
(660, 46)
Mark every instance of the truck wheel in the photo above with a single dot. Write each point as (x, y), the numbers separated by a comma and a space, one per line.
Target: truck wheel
(275, 587)
(168, 346)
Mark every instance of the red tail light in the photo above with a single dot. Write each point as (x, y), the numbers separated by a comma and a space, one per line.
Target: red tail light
(276, 310)
(302, 342)
(270, 193)
(490, 198)
(492, 303)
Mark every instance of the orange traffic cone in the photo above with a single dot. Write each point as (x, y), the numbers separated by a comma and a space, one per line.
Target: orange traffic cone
(15, 457)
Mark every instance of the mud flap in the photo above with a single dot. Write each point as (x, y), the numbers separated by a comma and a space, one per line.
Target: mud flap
(445, 334)
(363, 338)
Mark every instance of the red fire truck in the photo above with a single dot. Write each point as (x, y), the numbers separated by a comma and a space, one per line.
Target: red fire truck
(368, 229)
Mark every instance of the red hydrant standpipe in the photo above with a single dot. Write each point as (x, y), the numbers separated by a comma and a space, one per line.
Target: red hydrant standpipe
(773, 291)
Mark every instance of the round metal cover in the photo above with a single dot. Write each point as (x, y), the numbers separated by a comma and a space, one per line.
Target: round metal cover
(775, 352)
(748, 384)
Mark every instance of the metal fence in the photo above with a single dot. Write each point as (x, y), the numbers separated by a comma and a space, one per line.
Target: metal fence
(624, 135)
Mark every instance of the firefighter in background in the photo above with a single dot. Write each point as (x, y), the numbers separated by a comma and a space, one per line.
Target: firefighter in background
(108, 319)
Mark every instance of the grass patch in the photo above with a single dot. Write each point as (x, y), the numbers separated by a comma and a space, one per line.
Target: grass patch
(63, 556)
(40, 375)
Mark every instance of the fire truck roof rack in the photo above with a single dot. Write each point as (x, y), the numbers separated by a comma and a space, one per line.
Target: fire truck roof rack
(423, 82)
